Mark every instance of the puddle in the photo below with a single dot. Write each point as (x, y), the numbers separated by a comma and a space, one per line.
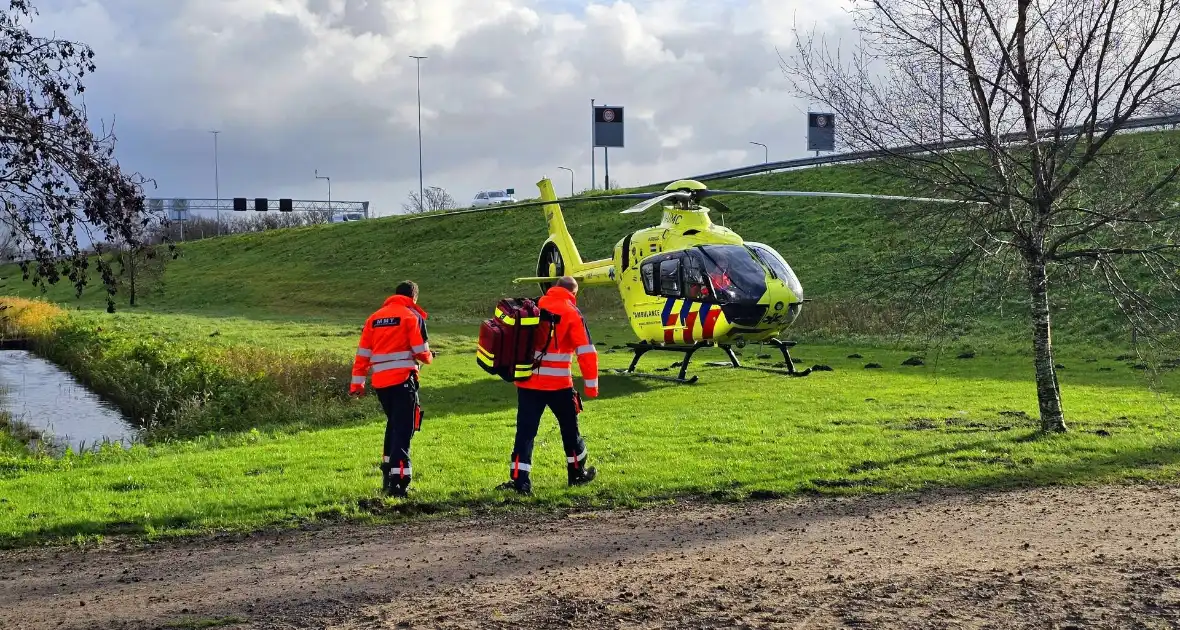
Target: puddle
(42, 396)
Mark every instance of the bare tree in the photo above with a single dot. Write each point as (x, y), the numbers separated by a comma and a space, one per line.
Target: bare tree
(9, 247)
(57, 176)
(1035, 92)
(433, 198)
(141, 258)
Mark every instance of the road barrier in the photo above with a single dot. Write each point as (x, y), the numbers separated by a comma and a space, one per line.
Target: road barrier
(858, 156)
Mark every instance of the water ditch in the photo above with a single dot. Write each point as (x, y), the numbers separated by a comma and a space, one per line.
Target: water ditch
(50, 401)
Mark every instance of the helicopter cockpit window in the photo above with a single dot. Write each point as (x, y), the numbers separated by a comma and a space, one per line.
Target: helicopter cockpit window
(670, 277)
(733, 273)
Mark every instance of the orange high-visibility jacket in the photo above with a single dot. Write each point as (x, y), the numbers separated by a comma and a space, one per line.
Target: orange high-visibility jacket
(392, 343)
(571, 338)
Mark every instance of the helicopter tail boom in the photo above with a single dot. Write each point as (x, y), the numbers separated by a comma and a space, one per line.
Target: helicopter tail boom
(559, 255)
(559, 234)
(597, 273)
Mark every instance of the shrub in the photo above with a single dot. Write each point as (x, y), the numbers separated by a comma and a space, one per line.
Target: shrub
(175, 389)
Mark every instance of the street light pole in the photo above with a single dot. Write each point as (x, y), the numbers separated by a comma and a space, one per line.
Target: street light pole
(941, 78)
(216, 182)
(765, 152)
(571, 178)
(331, 215)
(421, 201)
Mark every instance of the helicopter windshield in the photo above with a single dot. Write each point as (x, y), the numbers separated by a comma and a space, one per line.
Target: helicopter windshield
(725, 273)
(779, 268)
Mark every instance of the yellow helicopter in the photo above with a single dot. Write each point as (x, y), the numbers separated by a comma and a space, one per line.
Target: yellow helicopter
(687, 283)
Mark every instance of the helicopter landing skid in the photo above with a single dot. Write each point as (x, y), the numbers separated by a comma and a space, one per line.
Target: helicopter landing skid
(785, 347)
(641, 349)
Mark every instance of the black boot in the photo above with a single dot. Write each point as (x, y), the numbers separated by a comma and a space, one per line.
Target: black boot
(520, 483)
(579, 474)
(386, 482)
(397, 487)
(519, 487)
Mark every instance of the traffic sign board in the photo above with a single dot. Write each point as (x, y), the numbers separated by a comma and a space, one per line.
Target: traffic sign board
(821, 131)
(608, 126)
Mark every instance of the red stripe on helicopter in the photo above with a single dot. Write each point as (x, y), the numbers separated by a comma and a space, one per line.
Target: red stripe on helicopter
(688, 324)
(669, 319)
(710, 322)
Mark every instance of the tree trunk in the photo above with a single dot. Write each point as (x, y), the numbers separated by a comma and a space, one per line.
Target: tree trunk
(131, 257)
(1048, 391)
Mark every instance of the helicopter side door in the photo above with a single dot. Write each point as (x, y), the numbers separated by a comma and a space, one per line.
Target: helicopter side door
(677, 275)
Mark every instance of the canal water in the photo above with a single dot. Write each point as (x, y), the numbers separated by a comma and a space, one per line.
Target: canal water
(40, 395)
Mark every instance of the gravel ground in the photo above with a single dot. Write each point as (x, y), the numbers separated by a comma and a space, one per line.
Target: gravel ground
(1047, 558)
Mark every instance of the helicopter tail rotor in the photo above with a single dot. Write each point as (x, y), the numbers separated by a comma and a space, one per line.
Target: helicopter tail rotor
(550, 264)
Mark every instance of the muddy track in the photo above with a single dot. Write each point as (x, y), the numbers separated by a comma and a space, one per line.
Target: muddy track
(1055, 558)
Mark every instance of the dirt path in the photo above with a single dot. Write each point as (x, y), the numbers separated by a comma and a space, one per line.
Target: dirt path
(1105, 558)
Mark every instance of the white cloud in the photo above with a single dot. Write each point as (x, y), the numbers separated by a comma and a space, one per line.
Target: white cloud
(296, 85)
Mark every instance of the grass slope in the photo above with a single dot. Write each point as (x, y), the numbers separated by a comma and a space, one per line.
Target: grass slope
(339, 272)
(464, 263)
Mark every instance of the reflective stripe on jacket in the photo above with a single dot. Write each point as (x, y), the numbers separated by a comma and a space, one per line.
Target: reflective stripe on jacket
(392, 343)
(571, 339)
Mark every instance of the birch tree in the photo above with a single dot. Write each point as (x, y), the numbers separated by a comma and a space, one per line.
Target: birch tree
(1034, 94)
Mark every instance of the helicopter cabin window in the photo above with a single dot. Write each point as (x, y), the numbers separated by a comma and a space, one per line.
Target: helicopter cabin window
(649, 278)
(670, 277)
(696, 282)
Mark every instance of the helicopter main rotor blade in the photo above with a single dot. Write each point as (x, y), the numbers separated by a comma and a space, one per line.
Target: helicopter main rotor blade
(531, 204)
(644, 205)
(803, 193)
(715, 204)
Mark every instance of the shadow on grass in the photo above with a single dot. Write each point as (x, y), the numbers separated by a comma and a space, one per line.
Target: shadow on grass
(490, 394)
(1106, 371)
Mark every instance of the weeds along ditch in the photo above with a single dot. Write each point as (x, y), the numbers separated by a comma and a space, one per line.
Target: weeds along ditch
(176, 389)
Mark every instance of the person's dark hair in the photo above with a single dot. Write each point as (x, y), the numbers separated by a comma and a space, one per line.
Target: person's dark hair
(407, 288)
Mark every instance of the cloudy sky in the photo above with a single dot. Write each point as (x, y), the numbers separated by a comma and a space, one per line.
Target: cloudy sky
(299, 85)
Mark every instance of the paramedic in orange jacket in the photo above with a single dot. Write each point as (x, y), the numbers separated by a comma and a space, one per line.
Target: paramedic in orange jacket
(552, 386)
(393, 344)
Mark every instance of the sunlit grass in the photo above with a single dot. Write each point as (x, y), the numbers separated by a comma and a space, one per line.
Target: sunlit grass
(951, 422)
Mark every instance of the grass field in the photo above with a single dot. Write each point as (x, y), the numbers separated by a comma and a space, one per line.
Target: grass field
(956, 422)
(238, 362)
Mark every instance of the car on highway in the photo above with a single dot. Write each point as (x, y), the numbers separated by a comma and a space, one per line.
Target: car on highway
(493, 197)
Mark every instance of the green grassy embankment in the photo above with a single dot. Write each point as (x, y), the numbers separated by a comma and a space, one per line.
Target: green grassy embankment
(248, 331)
(338, 273)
